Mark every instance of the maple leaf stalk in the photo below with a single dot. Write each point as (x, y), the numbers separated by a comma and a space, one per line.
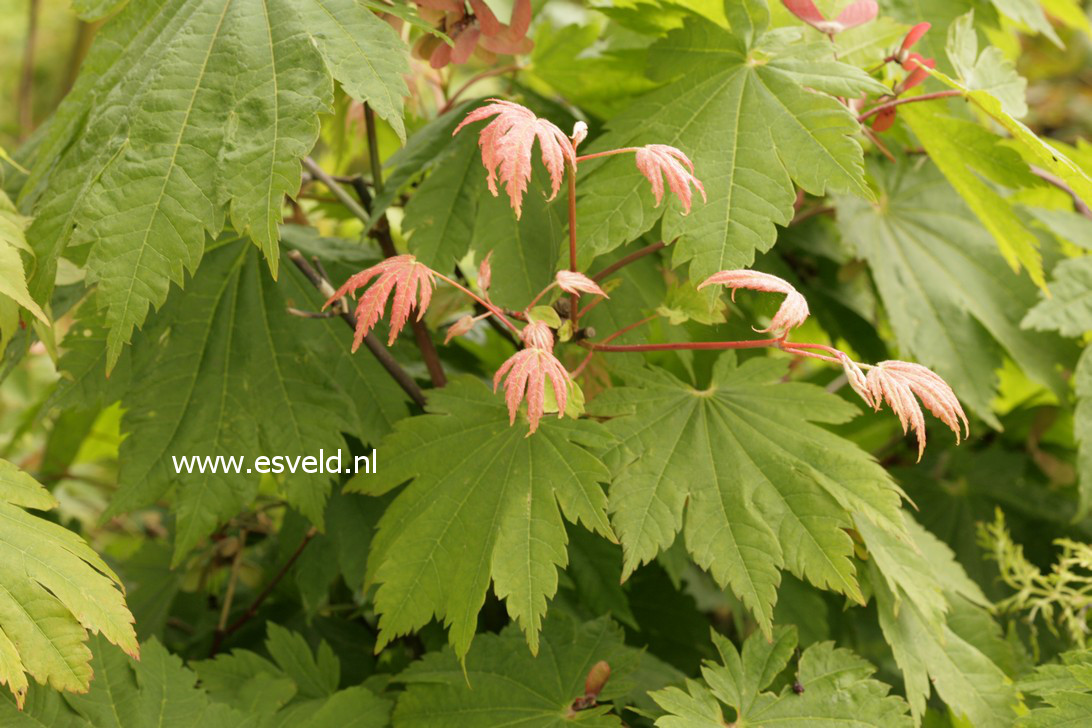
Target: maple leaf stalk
(908, 100)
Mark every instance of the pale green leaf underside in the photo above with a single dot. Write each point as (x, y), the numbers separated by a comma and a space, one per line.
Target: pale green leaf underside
(740, 469)
(13, 281)
(186, 112)
(53, 588)
(486, 503)
(954, 303)
(743, 116)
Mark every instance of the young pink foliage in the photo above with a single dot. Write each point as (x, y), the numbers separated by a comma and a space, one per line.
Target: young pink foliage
(506, 146)
(917, 66)
(656, 161)
(411, 282)
(912, 37)
(460, 327)
(856, 379)
(485, 273)
(527, 371)
(538, 335)
(572, 282)
(896, 382)
(858, 13)
(793, 310)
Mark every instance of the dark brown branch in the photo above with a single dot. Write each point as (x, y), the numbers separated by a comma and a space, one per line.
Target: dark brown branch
(623, 262)
(222, 634)
(380, 352)
(25, 100)
(381, 232)
(908, 100)
(1078, 203)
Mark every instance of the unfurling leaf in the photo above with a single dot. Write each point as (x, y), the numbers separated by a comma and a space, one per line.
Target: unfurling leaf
(506, 145)
(656, 161)
(485, 273)
(411, 282)
(527, 371)
(857, 379)
(460, 327)
(572, 282)
(794, 309)
(858, 13)
(898, 381)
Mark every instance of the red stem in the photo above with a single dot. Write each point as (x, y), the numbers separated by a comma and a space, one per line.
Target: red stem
(685, 345)
(608, 153)
(574, 299)
(489, 306)
(473, 80)
(909, 100)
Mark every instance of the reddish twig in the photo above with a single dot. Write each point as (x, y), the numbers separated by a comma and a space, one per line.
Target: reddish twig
(222, 634)
(908, 100)
(1078, 203)
(450, 103)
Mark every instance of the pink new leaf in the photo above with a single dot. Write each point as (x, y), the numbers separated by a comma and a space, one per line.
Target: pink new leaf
(538, 335)
(794, 309)
(460, 327)
(572, 282)
(411, 283)
(506, 146)
(527, 371)
(856, 379)
(485, 273)
(912, 37)
(656, 161)
(858, 13)
(897, 382)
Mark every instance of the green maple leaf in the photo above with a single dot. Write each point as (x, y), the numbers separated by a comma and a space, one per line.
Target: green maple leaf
(186, 113)
(13, 281)
(740, 468)
(1069, 308)
(53, 588)
(500, 684)
(1082, 429)
(954, 304)
(947, 646)
(1066, 688)
(739, 108)
(483, 504)
(223, 370)
(836, 689)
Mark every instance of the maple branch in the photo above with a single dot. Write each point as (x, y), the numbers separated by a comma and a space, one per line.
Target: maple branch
(382, 234)
(574, 299)
(338, 191)
(25, 102)
(608, 153)
(380, 352)
(1081, 206)
(623, 262)
(246, 616)
(473, 80)
(488, 306)
(685, 345)
(908, 100)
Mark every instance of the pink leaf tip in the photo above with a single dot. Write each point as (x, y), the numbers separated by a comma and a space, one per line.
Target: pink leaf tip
(527, 371)
(912, 37)
(857, 13)
(506, 146)
(572, 282)
(897, 382)
(856, 379)
(794, 309)
(411, 282)
(656, 161)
